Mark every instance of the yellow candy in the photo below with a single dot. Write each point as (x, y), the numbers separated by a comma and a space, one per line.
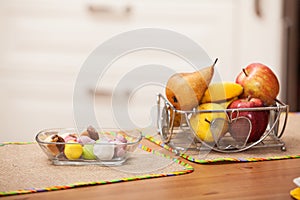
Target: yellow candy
(73, 150)
(295, 193)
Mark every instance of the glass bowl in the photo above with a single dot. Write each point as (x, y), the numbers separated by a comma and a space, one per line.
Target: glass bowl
(67, 146)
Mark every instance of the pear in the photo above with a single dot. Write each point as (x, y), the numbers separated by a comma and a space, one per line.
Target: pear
(185, 90)
(209, 126)
(176, 118)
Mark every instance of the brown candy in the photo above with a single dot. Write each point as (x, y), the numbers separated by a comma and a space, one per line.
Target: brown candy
(56, 148)
(91, 133)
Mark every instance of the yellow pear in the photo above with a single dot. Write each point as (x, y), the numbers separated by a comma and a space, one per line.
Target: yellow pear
(205, 122)
(185, 90)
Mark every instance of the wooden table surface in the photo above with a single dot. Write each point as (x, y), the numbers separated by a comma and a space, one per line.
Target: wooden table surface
(252, 180)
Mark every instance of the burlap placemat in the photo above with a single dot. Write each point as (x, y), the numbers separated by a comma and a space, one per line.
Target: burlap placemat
(25, 169)
(291, 138)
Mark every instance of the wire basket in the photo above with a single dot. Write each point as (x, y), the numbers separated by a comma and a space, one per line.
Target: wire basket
(176, 128)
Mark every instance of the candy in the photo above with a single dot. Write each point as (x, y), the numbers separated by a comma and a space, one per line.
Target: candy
(88, 153)
(121, 138)
(55, 149)
(91, 132)
(73, 150)
(120, 150)
(85, 147)
(104, 151)
(85, 140)
(70, 137)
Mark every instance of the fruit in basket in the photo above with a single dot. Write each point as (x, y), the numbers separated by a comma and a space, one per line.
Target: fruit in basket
(177, 118)
(73, 150)
(259, 81)
(185, 90)
(201, 122)
(225, 104)
(222, 91)
(239, 129)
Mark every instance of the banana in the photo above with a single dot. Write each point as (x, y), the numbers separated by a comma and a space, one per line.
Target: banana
(226, 103)
(217, 92)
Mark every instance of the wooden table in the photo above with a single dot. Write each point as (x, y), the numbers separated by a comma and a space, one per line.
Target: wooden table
(252, 180)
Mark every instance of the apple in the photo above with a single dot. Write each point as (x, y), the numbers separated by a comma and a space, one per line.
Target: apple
(239, 128)
(259, 81)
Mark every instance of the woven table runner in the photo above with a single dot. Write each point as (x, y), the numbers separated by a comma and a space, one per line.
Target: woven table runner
(25, 169)
(291, 138)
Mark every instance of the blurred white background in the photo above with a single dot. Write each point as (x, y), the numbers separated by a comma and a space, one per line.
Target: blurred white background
(44, 43)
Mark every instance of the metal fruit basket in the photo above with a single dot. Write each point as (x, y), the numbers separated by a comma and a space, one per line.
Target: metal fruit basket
(183, 137)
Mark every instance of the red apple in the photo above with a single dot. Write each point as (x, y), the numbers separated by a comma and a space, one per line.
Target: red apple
(239, 128)
(259, 81)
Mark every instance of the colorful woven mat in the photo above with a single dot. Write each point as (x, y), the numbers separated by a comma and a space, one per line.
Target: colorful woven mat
(291, 138)
(25, 169)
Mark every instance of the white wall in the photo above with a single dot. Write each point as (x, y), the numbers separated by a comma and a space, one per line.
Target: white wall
(44, 43)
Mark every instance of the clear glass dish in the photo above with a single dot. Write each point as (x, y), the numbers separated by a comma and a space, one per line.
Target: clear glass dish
(67, 146)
